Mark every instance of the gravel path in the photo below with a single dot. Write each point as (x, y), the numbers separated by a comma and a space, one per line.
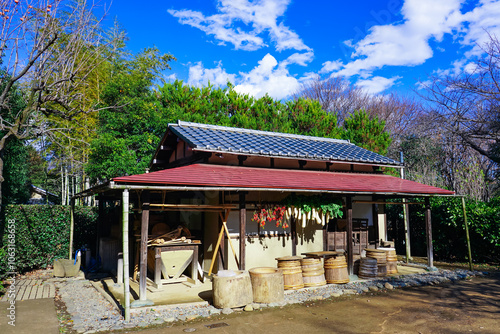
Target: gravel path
(91, 312)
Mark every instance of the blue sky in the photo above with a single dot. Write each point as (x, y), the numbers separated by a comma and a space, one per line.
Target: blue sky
(274, 46)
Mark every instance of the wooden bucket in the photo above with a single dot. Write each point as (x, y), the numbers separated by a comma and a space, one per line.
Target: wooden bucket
(336, 270)
(232, 291)
(368, 267)
(378, 254)
(292, 272)
(267, 285)
(392, 259)
(313, 273)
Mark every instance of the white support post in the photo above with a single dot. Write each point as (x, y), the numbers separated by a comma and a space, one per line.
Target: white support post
(126, 280)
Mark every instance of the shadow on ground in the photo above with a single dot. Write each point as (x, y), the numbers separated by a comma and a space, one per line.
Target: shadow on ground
(462, 307)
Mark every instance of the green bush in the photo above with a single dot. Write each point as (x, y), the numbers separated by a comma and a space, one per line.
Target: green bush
(42, 233)
(448, 230)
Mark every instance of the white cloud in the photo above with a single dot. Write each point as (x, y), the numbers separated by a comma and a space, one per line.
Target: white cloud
(301, 59)
(331, 66)
(268, 78)
(407, 43)
(252, 25)
(201, 76)
(483, 20)
(470, 68)
(377, 84)
(172, 77)
(258, 17)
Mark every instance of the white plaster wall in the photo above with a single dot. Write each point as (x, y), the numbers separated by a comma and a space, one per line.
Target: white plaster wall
(363, 211)
(262, 250)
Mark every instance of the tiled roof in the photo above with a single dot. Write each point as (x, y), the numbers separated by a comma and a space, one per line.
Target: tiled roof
(239, 177)
(212, 138)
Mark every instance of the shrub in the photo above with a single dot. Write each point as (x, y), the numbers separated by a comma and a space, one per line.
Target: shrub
(448, 230)
(42, 233)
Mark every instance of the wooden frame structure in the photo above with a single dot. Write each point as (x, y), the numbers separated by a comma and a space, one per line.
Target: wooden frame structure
(178, 154)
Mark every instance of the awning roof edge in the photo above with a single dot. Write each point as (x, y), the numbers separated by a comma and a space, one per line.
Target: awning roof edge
(178, 188)
(201, 177)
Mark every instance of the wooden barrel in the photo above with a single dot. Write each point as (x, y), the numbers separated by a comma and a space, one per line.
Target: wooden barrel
(292, 272)
(336, 270)
(381, 257)
(378, 254)
(232, 290)
(357, 262)
(368, 267)
(313, 273)
(392, 267)
(267, 285)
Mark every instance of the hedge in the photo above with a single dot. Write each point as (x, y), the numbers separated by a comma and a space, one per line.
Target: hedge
(42, 233)
(448, 230)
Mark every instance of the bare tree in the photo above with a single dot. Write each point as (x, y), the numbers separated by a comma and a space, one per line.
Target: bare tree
(398, 112)
(339, 96)
(48, 49)
(336, 95)
(468, 104)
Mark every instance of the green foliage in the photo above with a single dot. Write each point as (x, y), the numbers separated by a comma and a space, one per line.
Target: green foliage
(129, 134)
(42, 233)
(16, 172)
(13, 153)
(130, 123)
(324, 202)
(448, 230)
(422, 158)
(367, 133)
(15, 101)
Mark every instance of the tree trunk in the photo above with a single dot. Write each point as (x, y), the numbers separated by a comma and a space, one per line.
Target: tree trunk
(1, 177)
(63, 194)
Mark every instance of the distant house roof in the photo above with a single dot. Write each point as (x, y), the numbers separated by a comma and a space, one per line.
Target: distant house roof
(252, 178)
(222, 139)
(41, 191)
(45, 197)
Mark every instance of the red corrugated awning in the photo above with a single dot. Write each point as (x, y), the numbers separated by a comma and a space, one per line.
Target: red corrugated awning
(238, 177)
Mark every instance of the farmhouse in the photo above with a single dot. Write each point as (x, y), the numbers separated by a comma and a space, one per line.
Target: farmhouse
(216, 186)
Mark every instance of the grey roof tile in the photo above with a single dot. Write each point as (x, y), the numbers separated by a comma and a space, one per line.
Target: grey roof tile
(227, 139)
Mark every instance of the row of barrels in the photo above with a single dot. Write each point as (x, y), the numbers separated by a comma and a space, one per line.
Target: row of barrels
(378, 263)
(301, 272)
(267, 285)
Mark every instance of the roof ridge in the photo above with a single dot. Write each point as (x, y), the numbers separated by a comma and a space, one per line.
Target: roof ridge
(261, 132)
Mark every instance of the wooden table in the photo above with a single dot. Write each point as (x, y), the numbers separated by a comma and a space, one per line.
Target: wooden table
(323, 254)
(159, 268)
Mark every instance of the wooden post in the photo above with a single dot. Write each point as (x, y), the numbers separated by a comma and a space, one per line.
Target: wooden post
(100, 219)
(325, 237)
(71, 226)
(243, 227)
(350, 246)
(157, 278)
(467, 235)
(126, 280)
(428, 232)
(221, 255)
(406, 218)
(143, 266)
(293, 228)
(375, 222)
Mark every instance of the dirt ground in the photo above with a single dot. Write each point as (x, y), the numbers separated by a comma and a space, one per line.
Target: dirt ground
(469, 306)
